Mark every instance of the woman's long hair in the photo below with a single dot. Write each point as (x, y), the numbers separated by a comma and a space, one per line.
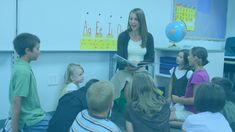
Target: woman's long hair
(144, 95)
(143, 26)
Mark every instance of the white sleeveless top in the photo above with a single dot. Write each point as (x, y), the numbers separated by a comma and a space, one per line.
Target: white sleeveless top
(135, 51)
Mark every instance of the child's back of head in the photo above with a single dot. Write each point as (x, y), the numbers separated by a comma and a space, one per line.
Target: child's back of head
(226, 84)
(209, 97)
(100, 96)
(209, 101)
(145, 95)
(229, 108)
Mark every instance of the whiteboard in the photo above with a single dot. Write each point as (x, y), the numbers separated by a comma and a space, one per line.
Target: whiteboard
(7, 24)
(60, 23)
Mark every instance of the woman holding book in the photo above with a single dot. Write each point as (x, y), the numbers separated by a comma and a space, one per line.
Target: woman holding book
(137, 46)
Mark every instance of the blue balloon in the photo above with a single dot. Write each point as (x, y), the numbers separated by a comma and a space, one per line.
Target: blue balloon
(175, 31)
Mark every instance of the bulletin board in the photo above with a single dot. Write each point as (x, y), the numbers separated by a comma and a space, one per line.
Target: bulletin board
(205, 19)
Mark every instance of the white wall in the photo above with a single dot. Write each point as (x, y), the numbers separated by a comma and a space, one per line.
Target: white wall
(53, 65)
(49, 66)
(5, 70)
(231, 19)
(7, 24)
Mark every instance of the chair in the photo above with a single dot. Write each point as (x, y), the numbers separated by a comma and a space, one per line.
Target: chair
(229, 59)
(230, 47)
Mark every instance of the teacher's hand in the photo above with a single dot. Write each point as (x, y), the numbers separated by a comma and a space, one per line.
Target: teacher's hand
(132, 67)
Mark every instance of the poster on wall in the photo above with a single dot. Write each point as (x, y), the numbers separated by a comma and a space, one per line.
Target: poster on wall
(100, 31)
(187, 15)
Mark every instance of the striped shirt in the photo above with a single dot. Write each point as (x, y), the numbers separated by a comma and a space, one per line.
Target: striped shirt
(86, 123)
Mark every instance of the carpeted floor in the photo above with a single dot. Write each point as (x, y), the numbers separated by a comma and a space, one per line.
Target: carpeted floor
(117, 117)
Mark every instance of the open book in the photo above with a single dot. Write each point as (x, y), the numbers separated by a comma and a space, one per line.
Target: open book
(127, 62)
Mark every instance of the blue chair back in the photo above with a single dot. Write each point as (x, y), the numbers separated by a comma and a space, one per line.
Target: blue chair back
(230, 46)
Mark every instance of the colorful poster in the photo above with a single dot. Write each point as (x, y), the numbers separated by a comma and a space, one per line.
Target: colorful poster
(100, 32)
(187, 15)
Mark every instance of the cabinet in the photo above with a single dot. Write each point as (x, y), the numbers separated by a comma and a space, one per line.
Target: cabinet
(214, 67)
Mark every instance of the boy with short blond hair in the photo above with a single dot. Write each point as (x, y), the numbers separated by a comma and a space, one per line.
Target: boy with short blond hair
(100, 98)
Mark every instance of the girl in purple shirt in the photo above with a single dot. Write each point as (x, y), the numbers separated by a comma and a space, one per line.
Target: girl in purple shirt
(184, 105)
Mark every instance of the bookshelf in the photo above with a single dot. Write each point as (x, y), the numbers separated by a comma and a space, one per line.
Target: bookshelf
(214, 67)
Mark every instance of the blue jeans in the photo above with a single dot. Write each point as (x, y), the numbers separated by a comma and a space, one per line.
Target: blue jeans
(40, 126)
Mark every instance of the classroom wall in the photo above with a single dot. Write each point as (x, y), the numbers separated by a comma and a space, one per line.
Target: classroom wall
(49, 71)
(7, 24)
(5, 70)
(50, 68)
(231, 19)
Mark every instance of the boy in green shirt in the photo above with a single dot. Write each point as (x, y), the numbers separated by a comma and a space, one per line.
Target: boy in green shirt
(26, 112)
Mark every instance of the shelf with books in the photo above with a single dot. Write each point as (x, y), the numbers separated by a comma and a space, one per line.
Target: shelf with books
(162, 76)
